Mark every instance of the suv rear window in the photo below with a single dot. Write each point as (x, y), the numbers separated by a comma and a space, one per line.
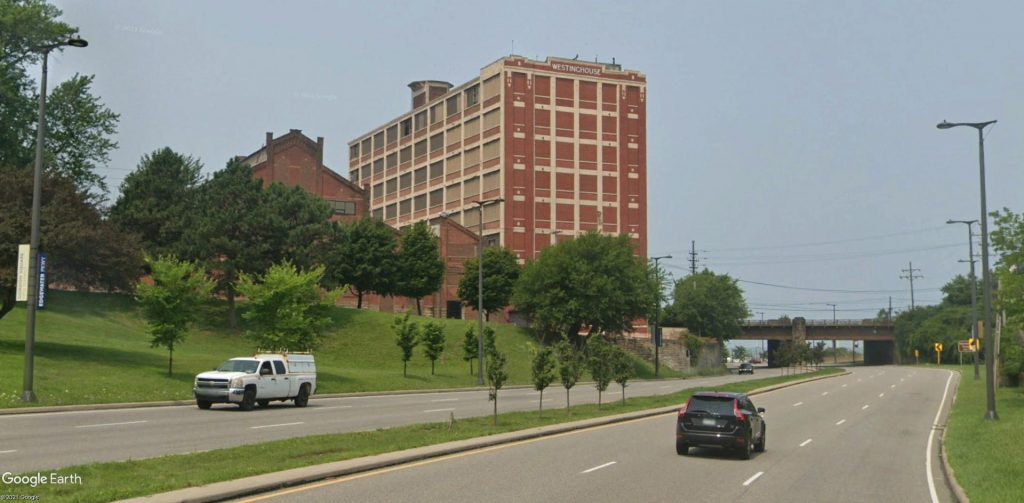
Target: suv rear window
(712, 404)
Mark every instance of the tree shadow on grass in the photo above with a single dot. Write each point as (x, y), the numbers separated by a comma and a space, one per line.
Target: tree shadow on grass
(75, 353)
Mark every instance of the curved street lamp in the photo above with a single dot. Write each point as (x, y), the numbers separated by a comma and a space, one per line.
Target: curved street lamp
(986, 277)
(480, 290)
(28, 395)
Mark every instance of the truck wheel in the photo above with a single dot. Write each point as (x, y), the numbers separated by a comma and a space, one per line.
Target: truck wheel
(263, 403)
(248, 399)
(303, 398)
(203, 404)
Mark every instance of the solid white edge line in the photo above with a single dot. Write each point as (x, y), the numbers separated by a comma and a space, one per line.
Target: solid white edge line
(752, 479)
(931, 437)
(436, 410)
(841, 421)
(824, 393)
(798, 404)
(109, 424)
(805, 442)
(446, 400)
(273, 425)
(844, 385)
(8, 452)
(865, 407)
(610, 463)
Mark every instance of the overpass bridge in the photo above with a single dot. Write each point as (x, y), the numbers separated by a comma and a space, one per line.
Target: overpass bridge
(878, 336)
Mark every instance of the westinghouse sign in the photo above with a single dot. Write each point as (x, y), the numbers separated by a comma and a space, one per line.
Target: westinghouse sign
(586, 70)
(40, 479)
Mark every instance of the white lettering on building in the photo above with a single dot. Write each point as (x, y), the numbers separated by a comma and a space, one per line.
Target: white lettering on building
(586, 70)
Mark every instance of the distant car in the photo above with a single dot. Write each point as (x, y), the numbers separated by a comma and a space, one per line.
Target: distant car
(746, 368)
(718, 419)
(756, 361)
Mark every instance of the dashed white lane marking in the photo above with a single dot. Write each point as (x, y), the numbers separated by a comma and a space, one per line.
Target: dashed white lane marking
(752, 479)
(334, 407)
(841, 421)
(8, 452)
(275, 425)
(901, 379)
(892, 386)
(860, 380)
(844, 385)
(880, 395)
(594, 469)
(663, 387)
(805, 442)
(798, 404)
(446, 400)
(437, 410)
(109, 424)
(824, 393)
(865, 407)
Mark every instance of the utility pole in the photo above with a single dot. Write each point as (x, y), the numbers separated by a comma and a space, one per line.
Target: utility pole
(911, 276)
(657, 312)
(693, 257)
(835, 356)
(888, 317)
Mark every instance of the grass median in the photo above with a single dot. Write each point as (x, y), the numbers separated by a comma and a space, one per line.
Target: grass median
(985, 455)
(101, 482)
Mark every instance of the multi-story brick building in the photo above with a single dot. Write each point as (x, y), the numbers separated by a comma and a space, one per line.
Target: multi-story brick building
(562, 142)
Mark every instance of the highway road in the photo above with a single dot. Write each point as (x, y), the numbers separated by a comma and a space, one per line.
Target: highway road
(54, 440)
(865, 437)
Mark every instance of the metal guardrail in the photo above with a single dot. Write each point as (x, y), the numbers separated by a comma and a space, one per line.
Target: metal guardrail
(818, 323)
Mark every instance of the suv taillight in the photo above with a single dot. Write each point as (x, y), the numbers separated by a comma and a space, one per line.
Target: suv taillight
(682, 410)
(740, 417)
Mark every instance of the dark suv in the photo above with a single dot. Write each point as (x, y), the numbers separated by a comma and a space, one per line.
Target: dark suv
(746, 368)
(727, 420)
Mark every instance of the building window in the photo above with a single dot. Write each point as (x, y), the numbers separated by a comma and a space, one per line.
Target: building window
(453, 105)
(492, 87)
(436, 142)
(420, 175)
(405, 181)
(392, 134)
(405, 207)
(378, 167)
(421, 120)
(420, 148)
(364, 172)
(354, 175)
(391, 211)
(472, 95)
(378, 140)
(437, 170)
(472, 127)
(436, 197)
(453, 193)
(491, 150)
(419, 202)
(392, 160)
(405, 155)
(378, 214)
(343, 207)
(471, 188)
(490, 241)
(491, 181)
(353, 151)
(365, 147)
(392, 185)
(378, 190)
(491, 119)
(406, 127)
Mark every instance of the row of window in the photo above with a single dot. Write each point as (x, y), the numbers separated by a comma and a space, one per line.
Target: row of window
(470, 157)
(470, 187)
(468, 218)
(436, 113)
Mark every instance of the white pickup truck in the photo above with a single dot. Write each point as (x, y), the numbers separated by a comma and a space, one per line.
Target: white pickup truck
(257, 380)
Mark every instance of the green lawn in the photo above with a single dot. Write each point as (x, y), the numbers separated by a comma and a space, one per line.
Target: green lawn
(112, 481)
(986, 456)
(93, 348)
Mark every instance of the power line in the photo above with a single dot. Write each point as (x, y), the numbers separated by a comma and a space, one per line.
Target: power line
(840, 241)
(789, 287)
(804, 259)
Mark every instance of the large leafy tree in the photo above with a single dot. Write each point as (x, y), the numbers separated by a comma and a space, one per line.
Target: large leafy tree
(709, 305)
(79, 132)
(297, 223)
(592, 284)
(169, 299)
(501, 271)
(421, 269)
(69, 224)
(287, 309)
(228, 231)
(362, 255)
(958, 291)
(155, 199)
(1008, 242)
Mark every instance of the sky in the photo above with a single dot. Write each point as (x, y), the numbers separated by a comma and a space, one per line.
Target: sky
(793, 142)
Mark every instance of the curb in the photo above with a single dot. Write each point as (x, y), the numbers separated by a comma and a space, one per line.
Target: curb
(267, 482)
(954, 486)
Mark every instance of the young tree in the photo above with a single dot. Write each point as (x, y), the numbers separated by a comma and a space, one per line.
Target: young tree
(818, 353)
(470, 347)
(740, 353)
(622, 370)
(496, 377)
(601, 365)
(169, 301)
(490, 340)
(406, 336)
(432, 337)
(501, 271)
(570, 367)
(362, 254)
(543, 372)
(155, 199)
(286, 307)
(593, 283)
(419, 263)
(709, 305)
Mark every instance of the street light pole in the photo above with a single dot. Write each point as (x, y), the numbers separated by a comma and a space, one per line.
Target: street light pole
(762, 340)
(974, 290)
(480, 291)
(657, 312)
(986, 276)
(835, 356)
(28, 394)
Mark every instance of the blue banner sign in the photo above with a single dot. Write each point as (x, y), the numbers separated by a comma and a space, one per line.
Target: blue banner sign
(42, 282)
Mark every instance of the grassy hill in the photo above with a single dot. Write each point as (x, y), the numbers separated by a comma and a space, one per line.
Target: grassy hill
(93, 348)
